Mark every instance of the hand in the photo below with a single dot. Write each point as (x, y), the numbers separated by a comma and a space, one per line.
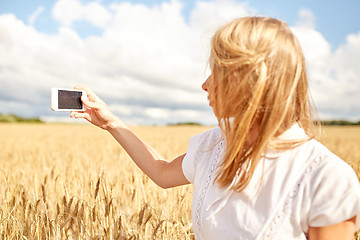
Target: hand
(97, 112)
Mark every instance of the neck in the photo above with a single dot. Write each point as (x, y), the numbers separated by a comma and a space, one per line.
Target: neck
(252, 135)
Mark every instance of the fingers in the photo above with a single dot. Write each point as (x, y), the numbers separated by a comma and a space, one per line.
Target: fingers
(80, 115)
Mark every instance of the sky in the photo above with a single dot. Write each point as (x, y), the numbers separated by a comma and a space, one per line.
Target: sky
(147, 59)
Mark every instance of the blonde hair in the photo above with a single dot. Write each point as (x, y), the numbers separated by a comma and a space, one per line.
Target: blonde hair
(258, 80)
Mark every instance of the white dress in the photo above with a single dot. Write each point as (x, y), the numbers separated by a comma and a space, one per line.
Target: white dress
(302, 187)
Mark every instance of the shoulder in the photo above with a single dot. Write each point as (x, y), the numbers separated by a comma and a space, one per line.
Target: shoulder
(333, 170)
(323, 164)
(327, 160)
(333, 187)
(206, 139)
(209, 134)
(199, 151)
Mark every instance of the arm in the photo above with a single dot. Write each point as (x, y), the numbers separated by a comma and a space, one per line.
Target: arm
(341, 231)
(163, 173)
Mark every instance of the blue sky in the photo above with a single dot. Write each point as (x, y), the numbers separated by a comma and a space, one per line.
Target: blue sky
(147, 59)
(334, 19)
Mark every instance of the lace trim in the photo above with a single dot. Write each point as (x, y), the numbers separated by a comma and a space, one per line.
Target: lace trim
(205, 188)
(282, 211)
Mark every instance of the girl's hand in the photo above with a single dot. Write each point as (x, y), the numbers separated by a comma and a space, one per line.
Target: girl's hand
(97, 112)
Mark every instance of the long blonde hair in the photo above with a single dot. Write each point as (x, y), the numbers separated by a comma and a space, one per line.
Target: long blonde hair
(259, 80)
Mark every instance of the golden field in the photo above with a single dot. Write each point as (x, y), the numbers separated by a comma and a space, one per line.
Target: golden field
(62, 181)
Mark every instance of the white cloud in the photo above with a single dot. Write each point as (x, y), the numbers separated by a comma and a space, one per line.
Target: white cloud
(345, 95)
(317, 53)
(333, 75)
(306, 19)
(66, 12)
(209, 16)
(35, 15)
(157, 113)
(149, 62)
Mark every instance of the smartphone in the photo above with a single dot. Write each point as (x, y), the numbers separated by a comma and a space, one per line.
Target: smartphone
(63, 99)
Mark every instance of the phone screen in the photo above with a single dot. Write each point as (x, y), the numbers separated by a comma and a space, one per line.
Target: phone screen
(69, 100)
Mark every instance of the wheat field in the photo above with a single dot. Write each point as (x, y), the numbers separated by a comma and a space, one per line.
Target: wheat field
(61, 181)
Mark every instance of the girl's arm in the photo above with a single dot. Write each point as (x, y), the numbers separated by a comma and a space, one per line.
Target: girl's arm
(163, 173)
(341, 231)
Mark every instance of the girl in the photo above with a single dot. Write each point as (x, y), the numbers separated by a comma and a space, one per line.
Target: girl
(259, 174)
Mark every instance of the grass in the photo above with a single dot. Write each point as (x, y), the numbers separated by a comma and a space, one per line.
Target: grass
(76, 182)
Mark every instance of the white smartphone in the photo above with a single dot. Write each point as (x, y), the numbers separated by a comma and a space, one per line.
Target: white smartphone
(63, 99)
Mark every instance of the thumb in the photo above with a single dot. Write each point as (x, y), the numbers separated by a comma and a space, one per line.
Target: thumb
(90, 104)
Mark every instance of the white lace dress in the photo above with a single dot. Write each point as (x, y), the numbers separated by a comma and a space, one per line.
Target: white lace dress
(303, 187)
